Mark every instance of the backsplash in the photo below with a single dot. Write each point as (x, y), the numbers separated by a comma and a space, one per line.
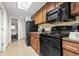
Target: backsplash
(45, 26)
(48, 26)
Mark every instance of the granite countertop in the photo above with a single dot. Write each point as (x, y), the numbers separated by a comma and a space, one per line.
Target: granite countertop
(64, 38)
(67, 39)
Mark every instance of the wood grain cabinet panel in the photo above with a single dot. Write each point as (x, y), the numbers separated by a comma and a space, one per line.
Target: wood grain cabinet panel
(50, 6)
(44, 13)
(40, 20)
(38, 46)
(35, 42)
(39, 17)
(75, 8)
(36, 18)
(72, 47)
(68, 53)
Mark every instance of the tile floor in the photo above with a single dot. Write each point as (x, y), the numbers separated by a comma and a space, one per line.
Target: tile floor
(18, 49)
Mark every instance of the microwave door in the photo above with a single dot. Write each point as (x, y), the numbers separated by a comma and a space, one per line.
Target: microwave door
(53, 17)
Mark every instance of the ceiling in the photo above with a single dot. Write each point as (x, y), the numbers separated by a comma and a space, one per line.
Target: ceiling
(20, 13)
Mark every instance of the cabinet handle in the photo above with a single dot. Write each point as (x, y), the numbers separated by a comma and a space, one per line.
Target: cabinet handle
(71, 47)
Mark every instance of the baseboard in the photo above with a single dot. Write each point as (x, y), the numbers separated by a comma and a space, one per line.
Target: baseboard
(7, 45)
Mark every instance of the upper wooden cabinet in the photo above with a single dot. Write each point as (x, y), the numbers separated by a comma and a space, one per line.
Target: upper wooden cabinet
(40, 15)
(75, 8)
(50, 6)
(44, 13)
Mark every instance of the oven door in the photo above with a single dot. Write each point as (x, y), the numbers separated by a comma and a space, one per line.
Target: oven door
(50, 46)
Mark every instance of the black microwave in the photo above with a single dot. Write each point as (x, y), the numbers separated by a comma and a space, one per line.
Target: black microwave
(54, 15)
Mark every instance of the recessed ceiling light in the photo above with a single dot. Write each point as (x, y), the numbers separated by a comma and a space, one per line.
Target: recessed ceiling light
(24, 5)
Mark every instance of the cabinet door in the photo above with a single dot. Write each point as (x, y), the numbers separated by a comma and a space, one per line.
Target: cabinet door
(36, 18)
(39, 17)
(31, 41)
(75, 8)
(50, 6)
(71, 46)
(38, 46)
(35, 43)
(44, 13)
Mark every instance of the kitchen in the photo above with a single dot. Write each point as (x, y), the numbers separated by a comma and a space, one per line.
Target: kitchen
(50, 31)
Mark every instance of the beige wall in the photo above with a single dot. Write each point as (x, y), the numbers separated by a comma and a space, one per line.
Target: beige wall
(47, 26)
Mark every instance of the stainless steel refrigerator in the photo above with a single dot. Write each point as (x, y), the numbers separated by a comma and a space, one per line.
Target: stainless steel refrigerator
(30, 27)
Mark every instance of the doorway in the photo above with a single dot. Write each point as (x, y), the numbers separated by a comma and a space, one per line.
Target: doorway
(14, 29)
(1, 30)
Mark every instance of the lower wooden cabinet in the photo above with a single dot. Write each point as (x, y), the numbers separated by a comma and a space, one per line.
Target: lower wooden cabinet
(70, 48)
(69, 53)
(35, 42)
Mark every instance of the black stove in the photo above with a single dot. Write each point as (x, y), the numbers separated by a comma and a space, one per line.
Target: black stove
(51, 45)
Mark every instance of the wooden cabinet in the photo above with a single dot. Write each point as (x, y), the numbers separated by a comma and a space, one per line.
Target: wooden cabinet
(75, 8)
(32, 42)
(40, 15)
(69, 53)
(35, 42)
(36, 18)
(44, 13)
(70, 48)
(50, 6)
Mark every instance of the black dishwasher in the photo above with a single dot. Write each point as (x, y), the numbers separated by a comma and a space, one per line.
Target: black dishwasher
(50, 45)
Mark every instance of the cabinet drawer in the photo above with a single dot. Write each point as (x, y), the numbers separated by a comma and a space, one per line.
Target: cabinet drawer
(74, 47)
(68, 53)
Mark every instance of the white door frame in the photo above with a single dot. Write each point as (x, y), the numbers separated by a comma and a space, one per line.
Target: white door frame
(1, 30)
(10, 26)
